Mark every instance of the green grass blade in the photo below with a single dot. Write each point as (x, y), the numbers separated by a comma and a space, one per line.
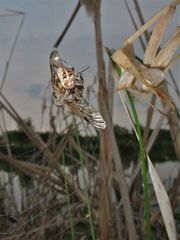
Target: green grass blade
(143, 166)
(85, 181)
(142, 153)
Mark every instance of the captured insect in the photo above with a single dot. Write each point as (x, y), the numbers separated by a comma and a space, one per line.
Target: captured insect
(148, 76)
(68, 89)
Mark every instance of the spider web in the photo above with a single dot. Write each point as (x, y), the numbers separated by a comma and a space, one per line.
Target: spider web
(32, 207)
(29, 209)
(35, 198)
(33, 204)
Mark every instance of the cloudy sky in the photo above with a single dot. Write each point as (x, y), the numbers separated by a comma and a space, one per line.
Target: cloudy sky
(28, 74)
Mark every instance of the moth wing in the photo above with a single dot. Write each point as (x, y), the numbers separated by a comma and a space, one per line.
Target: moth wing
(84, 110)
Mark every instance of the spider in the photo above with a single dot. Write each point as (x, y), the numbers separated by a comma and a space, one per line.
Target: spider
(66, 83)
(68, 89)
(149, 76)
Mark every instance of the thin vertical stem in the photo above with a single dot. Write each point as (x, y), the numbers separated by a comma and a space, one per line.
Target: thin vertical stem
(84, 180)
(143, 166)
(58, 41)
(68, 203)
(106, 160)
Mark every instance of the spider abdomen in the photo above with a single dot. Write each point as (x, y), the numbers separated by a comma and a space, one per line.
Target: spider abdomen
(67, 77)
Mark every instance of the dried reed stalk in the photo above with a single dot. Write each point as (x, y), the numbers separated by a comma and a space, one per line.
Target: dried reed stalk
(38, 142)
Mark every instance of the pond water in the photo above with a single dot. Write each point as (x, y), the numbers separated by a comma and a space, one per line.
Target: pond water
(167, 171)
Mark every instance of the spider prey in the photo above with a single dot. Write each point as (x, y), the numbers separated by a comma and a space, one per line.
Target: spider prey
(68, 87)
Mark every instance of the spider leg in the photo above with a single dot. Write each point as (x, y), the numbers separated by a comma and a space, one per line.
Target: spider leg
(59, 101)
